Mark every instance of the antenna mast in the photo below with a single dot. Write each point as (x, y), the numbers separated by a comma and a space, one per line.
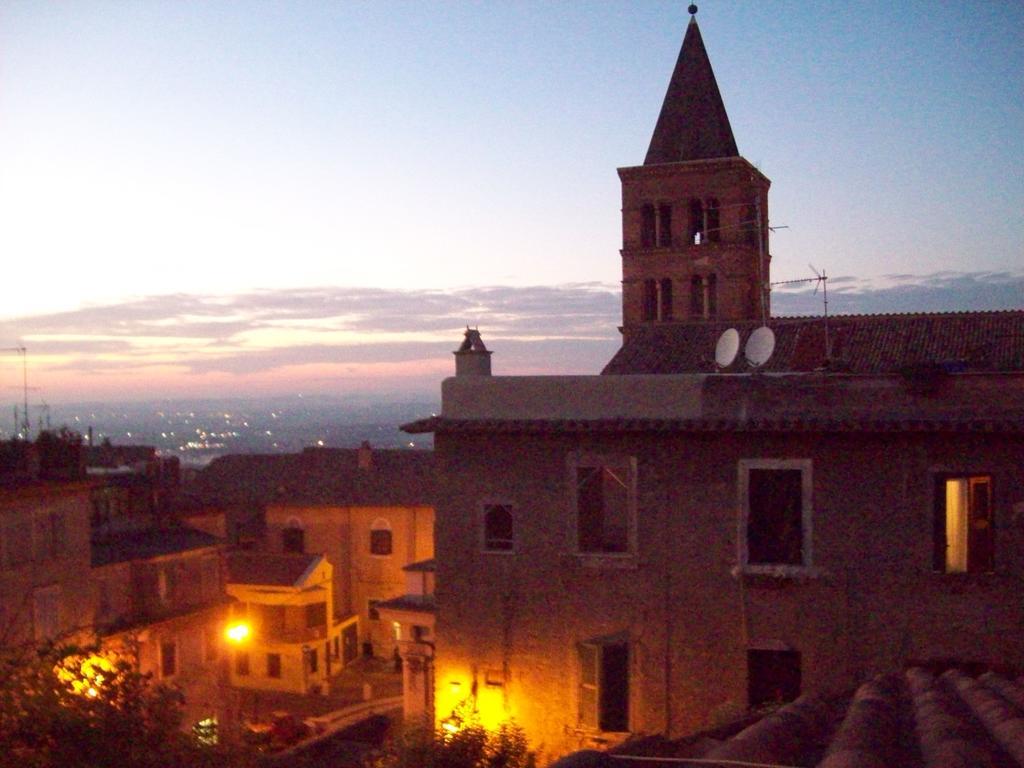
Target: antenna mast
(25, 427)
(820, 278)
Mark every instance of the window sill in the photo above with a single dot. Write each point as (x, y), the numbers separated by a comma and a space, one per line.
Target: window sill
(780, 572)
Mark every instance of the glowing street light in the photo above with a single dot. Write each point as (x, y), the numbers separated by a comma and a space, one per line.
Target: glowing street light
(238, 632)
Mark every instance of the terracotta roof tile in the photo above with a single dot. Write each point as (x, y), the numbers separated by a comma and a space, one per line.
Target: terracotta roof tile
(318, 476)
(911, 719)
(983, 341)
(282, 570)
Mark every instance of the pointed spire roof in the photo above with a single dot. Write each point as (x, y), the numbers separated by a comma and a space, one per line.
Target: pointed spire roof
(693, 124)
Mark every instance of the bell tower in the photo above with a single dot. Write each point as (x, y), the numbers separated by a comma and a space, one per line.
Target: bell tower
(695, 214)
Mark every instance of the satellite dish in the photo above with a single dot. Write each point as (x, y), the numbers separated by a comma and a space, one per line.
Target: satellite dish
(760, 346)
(727, 348)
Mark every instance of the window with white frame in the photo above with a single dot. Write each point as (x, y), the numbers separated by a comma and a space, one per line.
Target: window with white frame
(498, 527)
(603, 496)
(775, 512)
(604, 684)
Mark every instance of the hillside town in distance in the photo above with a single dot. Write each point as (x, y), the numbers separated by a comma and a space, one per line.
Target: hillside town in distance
(751, 540)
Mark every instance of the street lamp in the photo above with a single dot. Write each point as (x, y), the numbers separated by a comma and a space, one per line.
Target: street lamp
(238, 632)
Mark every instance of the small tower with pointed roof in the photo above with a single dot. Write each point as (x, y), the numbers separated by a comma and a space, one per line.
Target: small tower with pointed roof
(694, 215)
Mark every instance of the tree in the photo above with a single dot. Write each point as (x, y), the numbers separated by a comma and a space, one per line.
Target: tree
(68, 705)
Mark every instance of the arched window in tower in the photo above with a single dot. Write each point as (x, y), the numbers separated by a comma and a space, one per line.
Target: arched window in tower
(750, 225)
(380, 537)
(703, 296)
(664, 225)
(714, 226)
(650, 305)
(696, 222)
(696, 296)
(648, 226)
(293, 538)
(665, 299)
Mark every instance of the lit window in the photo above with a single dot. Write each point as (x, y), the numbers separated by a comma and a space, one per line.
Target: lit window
(775, 512)
(499, 532)
(963, 524)
(604, 504)
(380, 537)
(604, 684)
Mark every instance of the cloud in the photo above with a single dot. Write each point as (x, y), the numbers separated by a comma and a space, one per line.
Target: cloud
(282, 338)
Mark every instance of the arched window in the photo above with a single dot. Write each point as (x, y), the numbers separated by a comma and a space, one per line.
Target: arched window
(380, 537)
(293, 538)
(714, 226)
(665, 298)
(648, 226)
(696, 222)
(650, 306)
(664, 225)
(499, 531)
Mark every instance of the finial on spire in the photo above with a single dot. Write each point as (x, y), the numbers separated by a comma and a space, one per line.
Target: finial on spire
(692, 9)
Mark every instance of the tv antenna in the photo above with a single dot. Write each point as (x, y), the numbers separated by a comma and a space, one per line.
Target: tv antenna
(24, 428)
(820, 279)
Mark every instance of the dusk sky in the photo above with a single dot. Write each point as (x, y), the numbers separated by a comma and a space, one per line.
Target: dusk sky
(260, 198)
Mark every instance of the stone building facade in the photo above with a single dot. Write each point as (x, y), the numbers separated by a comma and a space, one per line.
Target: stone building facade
(659, 548)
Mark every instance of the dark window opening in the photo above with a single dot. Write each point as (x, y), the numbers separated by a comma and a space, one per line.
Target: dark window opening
(168, 659)
(602, 498)
(312, 659)
(964, 541)
(241, 663)
(712, 296)
(273, 665)
(775, 517)
(650, 307)
(665, 299)
(293, 539)
(380, 542)
(772, 677)
(750, 225)
(371, 609)
(604, 686)
(648, 226)
(498, 528)
(696, 230)
(714, 226)
(316, 615)
(664, 225)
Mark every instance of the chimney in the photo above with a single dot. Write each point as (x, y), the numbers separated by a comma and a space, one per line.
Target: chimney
(472, 357)
(365, 456)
